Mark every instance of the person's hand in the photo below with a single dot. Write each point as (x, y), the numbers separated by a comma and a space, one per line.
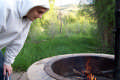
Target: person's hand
(7, 68)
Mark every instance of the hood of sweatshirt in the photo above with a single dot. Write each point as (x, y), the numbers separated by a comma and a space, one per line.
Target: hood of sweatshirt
(25, 5)
(17, 8)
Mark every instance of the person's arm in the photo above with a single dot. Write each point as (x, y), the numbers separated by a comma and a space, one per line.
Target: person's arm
(14, 48)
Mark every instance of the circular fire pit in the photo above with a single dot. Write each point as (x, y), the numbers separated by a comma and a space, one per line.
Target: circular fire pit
(81, 67)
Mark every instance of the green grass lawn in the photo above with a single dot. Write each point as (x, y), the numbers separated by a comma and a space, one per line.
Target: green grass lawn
(39, 49)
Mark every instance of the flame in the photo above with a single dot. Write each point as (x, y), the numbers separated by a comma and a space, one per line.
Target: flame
(91, 77)
(88, 68)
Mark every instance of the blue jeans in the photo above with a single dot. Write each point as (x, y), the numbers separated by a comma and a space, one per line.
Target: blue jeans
(2, 77)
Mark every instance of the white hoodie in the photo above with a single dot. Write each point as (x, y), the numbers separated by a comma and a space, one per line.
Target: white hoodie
(13, 28)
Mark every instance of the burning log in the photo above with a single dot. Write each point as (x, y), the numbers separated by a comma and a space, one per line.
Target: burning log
(108, 71)
(84, 75)
(75, 71)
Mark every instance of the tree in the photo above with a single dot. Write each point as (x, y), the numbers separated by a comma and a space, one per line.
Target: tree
(106, 22)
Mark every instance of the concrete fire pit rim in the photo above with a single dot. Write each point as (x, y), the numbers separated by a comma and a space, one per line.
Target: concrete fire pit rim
(54, 59)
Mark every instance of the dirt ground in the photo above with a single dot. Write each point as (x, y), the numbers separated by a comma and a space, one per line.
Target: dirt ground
(19, 76)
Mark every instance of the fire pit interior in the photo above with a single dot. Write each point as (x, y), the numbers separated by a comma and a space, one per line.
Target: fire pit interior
(81, 68)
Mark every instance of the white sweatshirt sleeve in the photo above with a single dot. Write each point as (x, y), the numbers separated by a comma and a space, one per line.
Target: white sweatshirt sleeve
(14, 48)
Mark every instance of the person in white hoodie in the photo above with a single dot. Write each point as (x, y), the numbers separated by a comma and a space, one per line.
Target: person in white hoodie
(15, 19)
